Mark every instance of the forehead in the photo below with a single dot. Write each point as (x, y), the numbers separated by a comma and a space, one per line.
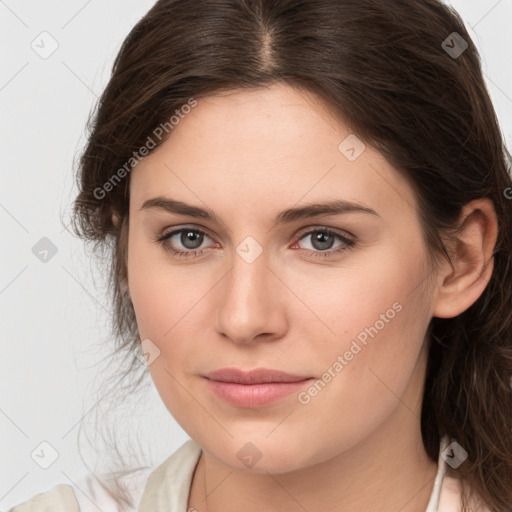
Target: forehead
(266, 147)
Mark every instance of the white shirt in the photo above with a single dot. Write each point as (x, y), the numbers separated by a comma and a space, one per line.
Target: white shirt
(166, 488)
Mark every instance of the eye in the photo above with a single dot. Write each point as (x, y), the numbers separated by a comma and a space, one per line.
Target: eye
(189, 238)
(323, 242)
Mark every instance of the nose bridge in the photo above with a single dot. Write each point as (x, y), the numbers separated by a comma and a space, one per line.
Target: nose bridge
(247, 307)
(248, 279)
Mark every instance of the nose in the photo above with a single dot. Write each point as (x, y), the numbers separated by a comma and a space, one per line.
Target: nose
(251, 302)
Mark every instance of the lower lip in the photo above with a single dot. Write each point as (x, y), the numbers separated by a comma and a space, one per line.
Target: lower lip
(254, 395)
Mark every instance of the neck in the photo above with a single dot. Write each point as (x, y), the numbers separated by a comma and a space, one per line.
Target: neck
(379, 473)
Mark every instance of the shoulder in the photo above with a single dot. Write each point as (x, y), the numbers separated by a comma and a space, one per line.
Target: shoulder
(59, 499)
(144, 486)
(87, 494)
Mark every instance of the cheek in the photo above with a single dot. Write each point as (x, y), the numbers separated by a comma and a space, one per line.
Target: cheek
(164, 318)
(366, 291)
(157, 293)
(166, 312)
(369, 325)
(168, 309)
(152, 302)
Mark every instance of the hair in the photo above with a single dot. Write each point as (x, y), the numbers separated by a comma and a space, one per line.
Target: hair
(380, 66)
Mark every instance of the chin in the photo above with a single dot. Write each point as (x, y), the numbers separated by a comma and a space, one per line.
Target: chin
(257, 454)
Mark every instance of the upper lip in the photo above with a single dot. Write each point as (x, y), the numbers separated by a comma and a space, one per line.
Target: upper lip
(257, 376)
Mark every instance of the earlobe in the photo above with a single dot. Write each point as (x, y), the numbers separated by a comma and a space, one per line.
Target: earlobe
(115, 219)
(472, 260)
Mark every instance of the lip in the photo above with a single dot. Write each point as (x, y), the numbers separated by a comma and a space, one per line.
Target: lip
(255, 388)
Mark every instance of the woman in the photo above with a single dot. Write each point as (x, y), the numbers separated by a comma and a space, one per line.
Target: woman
(308, 206)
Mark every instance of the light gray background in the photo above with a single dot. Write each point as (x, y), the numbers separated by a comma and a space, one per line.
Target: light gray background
(52, 312)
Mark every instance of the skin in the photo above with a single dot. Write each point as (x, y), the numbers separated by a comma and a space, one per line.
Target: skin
(356, 445)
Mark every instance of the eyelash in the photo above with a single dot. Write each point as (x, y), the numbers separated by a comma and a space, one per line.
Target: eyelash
(349, 243)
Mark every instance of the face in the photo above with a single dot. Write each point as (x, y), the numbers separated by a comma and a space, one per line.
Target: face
(337, 297)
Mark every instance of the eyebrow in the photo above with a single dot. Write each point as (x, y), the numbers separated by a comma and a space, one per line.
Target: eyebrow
(336, 207)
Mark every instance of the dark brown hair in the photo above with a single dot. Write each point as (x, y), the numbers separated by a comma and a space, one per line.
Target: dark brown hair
(385, 68)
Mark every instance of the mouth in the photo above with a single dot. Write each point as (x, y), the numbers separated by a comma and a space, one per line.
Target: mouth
(258, 376)
(253, 389)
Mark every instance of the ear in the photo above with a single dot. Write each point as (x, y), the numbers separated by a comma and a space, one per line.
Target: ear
(472, 260)
(115, 219)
